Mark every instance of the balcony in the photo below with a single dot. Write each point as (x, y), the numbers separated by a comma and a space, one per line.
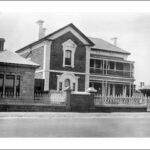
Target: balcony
(111, 72)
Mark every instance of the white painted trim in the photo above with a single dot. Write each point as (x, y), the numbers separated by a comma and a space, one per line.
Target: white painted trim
(71, 77)
(80, 93)
(69, 45)
(59, 71)
(87, 67)
(37, 71)
(58, 34)
(46, 64)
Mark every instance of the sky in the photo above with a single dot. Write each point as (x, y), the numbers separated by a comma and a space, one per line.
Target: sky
(132, 28)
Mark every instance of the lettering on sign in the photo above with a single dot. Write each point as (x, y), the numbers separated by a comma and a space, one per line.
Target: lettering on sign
(58, 97)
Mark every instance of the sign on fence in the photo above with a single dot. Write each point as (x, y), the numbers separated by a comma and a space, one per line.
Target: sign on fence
(58, 97)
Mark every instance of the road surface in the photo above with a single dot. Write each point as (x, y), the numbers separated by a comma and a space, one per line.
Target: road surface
(55, 124)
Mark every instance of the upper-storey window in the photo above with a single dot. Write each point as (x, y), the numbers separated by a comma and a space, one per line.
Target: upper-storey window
(91, 62)
(9, 84)
(68, 57)
(119, 66)
(111, 65)
(69, 48)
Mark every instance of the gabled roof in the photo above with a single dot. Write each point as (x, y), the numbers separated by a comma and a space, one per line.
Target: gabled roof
(104, 45)
(49, 35)
(8, 57)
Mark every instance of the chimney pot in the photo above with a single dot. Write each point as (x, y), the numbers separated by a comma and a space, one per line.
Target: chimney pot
(41, 33)
(115, 40)
(2, 44)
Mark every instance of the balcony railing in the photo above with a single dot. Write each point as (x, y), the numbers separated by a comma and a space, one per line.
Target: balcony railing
(122, 73)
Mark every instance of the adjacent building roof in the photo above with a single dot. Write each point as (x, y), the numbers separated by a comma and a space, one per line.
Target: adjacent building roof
(9, 57)
(104, 45)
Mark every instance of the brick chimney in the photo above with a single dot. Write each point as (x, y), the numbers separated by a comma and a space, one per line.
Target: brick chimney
(42, 30)
(2, 44)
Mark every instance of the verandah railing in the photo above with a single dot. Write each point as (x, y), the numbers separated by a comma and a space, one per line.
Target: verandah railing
(134, 101)
(123, 73)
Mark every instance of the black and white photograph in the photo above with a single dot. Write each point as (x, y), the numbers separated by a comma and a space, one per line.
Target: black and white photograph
(74, 69)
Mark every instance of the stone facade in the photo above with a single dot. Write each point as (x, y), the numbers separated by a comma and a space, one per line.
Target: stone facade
(26, 78)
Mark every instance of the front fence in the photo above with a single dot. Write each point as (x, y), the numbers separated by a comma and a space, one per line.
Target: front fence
(120, 101)
(54, 98)
(60, 98)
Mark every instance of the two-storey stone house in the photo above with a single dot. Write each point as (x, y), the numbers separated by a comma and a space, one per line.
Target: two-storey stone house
(67, 57)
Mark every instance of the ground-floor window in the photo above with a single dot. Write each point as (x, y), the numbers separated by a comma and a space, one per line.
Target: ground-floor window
(74, 86)
(18, 86)
(1, 84)
(60, 86)
(9, 85)
(118, 89)
(111, 89)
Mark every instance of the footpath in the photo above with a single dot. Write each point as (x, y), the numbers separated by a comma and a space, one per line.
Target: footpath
(9, 115)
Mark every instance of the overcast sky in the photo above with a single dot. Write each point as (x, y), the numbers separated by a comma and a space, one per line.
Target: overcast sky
(131, 28)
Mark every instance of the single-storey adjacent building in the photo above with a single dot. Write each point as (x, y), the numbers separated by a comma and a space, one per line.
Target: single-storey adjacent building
(16, 75)
(67, 57)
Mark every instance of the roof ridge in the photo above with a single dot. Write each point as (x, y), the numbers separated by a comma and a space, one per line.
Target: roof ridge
(109, 44)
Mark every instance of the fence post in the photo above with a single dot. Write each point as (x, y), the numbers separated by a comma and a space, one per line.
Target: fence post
(92, 91)
(68, 96)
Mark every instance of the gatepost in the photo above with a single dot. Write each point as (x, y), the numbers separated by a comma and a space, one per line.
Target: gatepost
(68, 93)
(92, 91)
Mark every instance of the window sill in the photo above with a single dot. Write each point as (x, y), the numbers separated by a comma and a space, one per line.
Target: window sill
(68, 66)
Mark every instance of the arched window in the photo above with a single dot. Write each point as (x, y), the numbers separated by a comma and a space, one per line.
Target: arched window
(67, 83)
(68, 57)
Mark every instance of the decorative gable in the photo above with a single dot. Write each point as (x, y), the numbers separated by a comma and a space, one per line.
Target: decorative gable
(69, 44)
